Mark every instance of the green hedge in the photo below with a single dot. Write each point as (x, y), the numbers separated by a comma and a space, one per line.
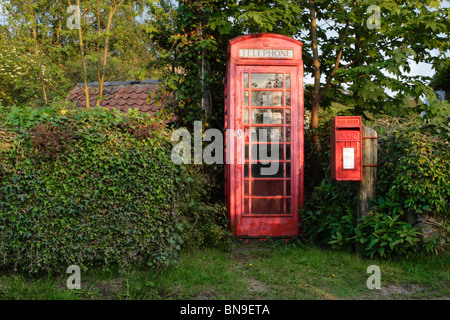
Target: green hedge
(414, 162)
(88, 187)
(414, 180)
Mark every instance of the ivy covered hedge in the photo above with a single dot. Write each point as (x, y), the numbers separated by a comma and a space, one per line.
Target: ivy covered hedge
(414, 179)
(89, 187)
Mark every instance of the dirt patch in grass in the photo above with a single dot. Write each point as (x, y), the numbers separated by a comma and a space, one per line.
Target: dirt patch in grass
(405, 291)
(398, 291)
(108, 290)
(205, 295)
(255, 285)
(249, 252)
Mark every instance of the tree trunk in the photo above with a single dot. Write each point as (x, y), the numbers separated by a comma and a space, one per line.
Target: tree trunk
(83, 63)
(316, 91)
(36, 55)
(104, 57)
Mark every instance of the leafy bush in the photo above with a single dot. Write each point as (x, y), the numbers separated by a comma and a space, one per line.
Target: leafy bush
(19, 80)
(89, 187)
(329, 216)
(414, 162)
(382, 232)
(206, 226)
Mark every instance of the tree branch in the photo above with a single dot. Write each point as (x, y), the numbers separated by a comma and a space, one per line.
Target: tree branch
(338, 60)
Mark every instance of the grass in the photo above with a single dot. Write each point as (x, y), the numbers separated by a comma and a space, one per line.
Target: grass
(250, 272)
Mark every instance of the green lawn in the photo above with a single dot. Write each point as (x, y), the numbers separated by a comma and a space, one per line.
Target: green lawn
(250, 272)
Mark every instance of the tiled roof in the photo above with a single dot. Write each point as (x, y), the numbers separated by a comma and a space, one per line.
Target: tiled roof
(121, 95)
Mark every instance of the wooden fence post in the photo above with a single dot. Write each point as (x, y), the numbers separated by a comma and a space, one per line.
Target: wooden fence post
(367, 186)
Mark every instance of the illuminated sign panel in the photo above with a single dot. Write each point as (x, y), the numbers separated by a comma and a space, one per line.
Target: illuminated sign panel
(266, 53)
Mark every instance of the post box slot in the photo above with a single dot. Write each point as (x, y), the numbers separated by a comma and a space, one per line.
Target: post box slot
(348, 128)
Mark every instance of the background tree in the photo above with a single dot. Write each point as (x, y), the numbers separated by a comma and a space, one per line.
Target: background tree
(371, 61)
(441, 79)
(114, 44)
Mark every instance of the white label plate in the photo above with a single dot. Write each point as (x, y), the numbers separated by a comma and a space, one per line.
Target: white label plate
(349, 158)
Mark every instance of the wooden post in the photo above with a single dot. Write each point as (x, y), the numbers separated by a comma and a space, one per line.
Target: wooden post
(367, 186)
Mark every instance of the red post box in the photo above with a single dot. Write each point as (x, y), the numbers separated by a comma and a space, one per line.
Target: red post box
(264, 113)
(346, 146)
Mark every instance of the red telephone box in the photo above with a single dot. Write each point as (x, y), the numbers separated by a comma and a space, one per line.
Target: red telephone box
(264, 147)
(346, 148)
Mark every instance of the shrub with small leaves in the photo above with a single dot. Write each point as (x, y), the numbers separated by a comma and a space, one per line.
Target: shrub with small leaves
(90, 187)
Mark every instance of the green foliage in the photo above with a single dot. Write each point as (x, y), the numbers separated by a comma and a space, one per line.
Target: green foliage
(90, 187)
(386, 235)
(329, 215)
(383, 231)
(18, 75)
(413, 159)
(206, 225)
(436, 111)
(194, 55)
(441, 79)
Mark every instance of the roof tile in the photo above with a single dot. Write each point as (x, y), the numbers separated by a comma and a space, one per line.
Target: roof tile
(119, 95)
(139, 89)
(145, 108)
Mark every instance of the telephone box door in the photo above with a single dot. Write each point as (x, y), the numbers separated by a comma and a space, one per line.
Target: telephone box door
(267, 105)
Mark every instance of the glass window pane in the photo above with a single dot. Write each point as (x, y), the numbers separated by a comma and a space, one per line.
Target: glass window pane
(247, 134)
(267, 98)
(288, 133)
(288, 99)
(246, 191)
(267, 116)
(269, 170)
(288, 152)
(267, 206)
(288, 116)
(267, 80)
(288, 187)
(267, 134)
(246, 116)
(246, 80)
(288, 206)
(246, 98)
(267, 152)
(288, 169)
(288, 80)
(267, 188)
(246, 206)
